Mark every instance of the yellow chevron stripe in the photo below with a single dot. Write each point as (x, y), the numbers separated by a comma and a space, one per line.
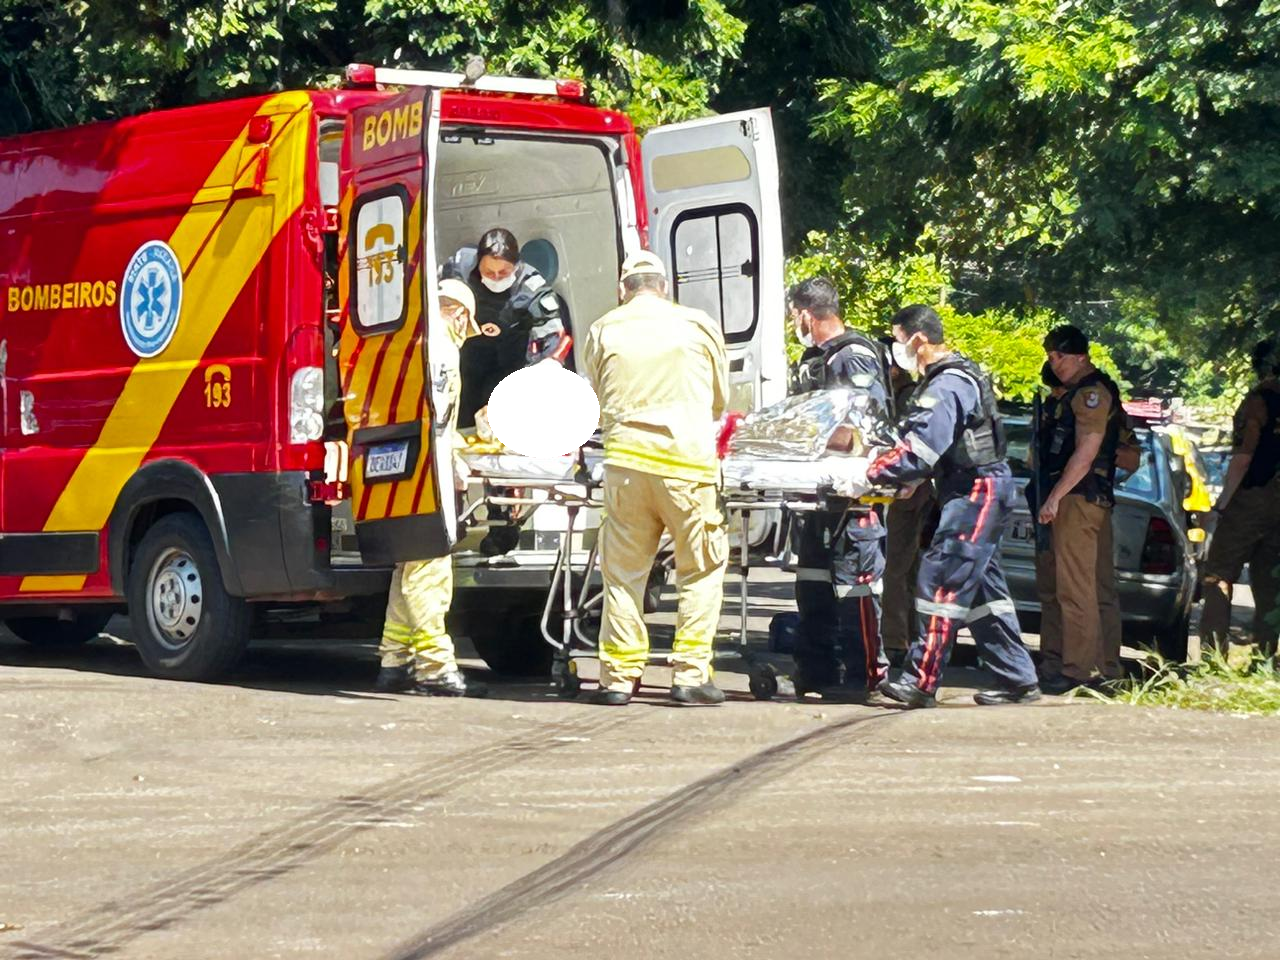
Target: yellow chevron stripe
(238, 242)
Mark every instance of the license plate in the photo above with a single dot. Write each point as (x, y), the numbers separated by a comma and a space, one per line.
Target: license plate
(386, 460)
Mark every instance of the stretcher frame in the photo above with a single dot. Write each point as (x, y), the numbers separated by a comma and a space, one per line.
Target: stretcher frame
(582, 492)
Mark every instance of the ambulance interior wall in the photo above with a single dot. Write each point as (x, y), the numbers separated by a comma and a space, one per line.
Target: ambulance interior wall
(554, 190)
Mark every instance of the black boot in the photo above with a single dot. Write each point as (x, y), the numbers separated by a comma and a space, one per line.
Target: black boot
(995, 698)
(452, 684)
(500, 540)
(906, 693)
(393, 680)
(611, 698)
(705, 695)
(1062, 684)
(809, 678)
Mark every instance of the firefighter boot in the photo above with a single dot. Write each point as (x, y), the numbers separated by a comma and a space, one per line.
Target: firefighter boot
(450, 684)
(703, 695)
(393, 679)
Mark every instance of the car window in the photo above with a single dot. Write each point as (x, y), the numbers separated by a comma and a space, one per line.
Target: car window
(1142, 482)
(1018, 435)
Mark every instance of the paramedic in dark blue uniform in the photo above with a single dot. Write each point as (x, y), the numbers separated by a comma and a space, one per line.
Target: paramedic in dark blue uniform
(839, 577)
(519, 318)
(518, 314)
(952, 433)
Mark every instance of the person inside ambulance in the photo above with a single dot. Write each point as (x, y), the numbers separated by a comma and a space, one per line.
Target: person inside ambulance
(517, 311)
(416, 650)
(520, 324)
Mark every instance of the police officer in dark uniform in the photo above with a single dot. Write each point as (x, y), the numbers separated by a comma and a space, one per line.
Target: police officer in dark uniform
(1248, 511)
(519, 317)
(1082, 439)
(518, 313)
(841, 556)
(952, 433)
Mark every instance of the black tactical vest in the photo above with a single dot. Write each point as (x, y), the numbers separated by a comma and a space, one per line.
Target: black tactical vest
(815, 365)
(1098, 485)
(1266, 458)
(981, 441)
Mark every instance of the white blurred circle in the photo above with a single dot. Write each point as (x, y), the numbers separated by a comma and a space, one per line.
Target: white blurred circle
(543, 411)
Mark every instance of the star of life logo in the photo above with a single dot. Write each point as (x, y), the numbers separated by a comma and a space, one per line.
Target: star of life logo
(151, 298)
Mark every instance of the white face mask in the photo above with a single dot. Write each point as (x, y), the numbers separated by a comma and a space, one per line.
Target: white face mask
(905, 357)
(499, 286)
(804, 336)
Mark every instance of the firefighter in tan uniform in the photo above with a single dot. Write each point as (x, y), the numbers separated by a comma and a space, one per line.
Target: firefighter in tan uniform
(660, 372)
(1079, 467)
(416, 650)
(1248, 530)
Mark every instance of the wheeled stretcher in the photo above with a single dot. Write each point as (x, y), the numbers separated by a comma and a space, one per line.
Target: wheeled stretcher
(574, 483)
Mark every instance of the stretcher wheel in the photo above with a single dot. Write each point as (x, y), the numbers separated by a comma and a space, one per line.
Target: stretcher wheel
(763, 682)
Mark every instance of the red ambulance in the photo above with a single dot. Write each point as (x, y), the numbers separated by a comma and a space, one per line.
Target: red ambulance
(215, 323)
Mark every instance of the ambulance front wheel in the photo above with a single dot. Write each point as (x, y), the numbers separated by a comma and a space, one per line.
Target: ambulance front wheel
(184, 623)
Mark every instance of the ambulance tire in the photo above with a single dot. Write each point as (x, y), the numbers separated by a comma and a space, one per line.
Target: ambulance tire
(513, 645)
(185, 624)
(50, 632)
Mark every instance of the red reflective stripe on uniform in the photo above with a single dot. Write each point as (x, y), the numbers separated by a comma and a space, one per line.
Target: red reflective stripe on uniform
(886, 460)
(930, 637)
(986, 507)
(867, 613)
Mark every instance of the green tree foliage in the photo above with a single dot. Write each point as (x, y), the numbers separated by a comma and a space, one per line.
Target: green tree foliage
(873, 286)
(72, 62)
(1113, 162)
(1116, 160)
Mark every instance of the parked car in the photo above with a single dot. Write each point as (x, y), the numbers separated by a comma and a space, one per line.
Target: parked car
(1216, 462)
(1155, 557)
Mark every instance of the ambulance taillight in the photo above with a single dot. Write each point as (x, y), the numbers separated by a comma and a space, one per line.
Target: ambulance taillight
(306, 405)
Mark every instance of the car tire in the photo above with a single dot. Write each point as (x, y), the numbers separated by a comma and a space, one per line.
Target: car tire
(1171, 641)
(184, 623)
(513, 644)
(51, 632)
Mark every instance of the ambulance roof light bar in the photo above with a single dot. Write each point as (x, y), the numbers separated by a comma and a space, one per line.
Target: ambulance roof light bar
(363, 74)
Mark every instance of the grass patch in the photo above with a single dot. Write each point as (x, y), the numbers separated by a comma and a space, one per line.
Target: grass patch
(1247, 684)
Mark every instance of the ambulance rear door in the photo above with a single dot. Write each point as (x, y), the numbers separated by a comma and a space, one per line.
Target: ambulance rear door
(401, 507)
(715, 219)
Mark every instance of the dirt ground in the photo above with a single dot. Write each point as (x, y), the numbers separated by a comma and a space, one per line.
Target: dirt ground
(292, 813)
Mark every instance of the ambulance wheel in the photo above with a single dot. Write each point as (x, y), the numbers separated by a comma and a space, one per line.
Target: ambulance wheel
(185, 624)
(51, 632)
(512, 645)
(763, 682)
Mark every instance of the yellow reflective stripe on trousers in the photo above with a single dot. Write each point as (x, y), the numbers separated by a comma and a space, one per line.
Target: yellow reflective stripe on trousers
(646, 461)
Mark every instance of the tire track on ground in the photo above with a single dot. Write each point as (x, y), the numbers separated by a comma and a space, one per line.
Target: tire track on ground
(628, 835)
(275, 853)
